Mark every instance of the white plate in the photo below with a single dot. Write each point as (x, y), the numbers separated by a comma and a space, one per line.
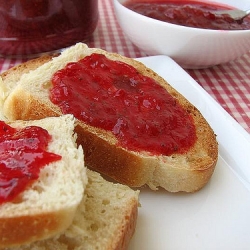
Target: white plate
(218, 216)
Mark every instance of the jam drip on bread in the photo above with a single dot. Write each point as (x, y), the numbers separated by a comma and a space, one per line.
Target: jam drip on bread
(23, 154)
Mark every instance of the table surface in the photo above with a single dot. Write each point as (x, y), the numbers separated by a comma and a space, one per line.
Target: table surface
(228, 84)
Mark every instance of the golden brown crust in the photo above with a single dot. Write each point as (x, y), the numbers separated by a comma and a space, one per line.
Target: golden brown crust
(29, 228)
(190, 173)
(124, 166)
(16, 71)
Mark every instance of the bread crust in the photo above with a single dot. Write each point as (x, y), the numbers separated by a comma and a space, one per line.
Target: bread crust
(33, 227)
(187, 172)
(14, 73)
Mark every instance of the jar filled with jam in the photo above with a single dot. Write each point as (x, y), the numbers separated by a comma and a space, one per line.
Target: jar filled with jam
(30, 27)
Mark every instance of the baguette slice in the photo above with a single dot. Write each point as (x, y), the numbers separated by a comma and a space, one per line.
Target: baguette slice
(48, 206)
(189, 172)
(105, 219)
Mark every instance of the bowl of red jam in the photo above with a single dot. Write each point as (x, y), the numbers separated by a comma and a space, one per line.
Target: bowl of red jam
(31, 27)
(185, 30)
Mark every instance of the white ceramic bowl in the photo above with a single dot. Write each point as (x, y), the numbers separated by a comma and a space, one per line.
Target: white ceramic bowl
(189, 47)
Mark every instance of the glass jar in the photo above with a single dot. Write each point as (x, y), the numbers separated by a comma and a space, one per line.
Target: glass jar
(29, 27)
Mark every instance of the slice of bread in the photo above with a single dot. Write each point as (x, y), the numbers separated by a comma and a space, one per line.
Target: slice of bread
(48, 206)
(105, 219)
(189, 172)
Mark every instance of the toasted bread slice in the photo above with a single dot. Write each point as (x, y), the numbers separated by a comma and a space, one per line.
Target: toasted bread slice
(188, 171)
(48, 206)
(105, 219)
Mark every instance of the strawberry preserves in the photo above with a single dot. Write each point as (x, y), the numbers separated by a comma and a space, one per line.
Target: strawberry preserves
(114, 96)
(191, 13)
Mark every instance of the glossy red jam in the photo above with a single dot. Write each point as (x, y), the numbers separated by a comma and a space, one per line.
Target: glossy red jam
(114, 96)
(187, 13)
(36, 26)
(22, 155)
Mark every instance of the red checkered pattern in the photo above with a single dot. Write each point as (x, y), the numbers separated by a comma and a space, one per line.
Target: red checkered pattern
(229, 84)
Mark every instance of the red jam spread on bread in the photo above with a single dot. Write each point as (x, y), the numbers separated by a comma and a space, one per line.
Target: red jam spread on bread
(23, 154)
(35, 26)
(114, 96)
(197, 14)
